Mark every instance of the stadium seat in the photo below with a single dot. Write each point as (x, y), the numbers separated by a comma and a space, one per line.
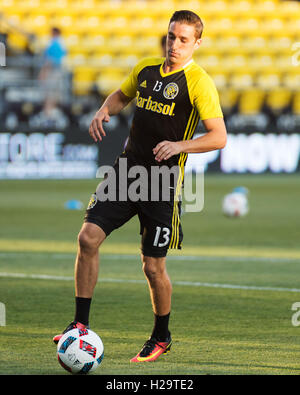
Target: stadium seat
(261, 63)
(235, 63)
(63, 21)
(126, 62)
(228, 99)
(84, 77)
(121, 43)
(95, 42)
(13, 16)
(283, 61)
(246, 26)
(108, 81)
(291, 79)
(269, 26)
(268, 80)
(280, 42)
(209, 41)
(227, 42)
(101, 60)
(6, 4)
(241, 80)
(212, 8)
(114, 25)
(75, 60)
(38, 23)
(289, 9)
(251, 101)
(296, 104)
(293, 27)
(79, 49)
(209, 62)
(278, 99)
(220, 79)
(72, 41)
(219, 26)
(17, 41)
(254, 42)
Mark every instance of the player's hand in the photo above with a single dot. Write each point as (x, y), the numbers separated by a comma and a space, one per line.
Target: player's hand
(165, 149)
(96, 130)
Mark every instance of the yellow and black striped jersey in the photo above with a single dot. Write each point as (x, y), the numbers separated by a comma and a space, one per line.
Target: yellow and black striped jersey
(168, 106)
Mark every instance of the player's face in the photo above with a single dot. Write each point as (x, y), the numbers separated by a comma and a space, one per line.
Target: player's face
(181, 43)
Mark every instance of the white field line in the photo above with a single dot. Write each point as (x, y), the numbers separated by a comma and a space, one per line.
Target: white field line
(193, 258)
(119, 280)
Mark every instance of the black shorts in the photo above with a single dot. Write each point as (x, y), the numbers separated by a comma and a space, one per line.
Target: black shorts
(160, 225)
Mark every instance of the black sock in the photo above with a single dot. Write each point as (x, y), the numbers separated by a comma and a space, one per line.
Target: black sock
(82, 310)
(160, 330)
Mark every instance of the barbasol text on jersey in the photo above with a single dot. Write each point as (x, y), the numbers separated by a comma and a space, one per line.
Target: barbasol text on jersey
(151, 105)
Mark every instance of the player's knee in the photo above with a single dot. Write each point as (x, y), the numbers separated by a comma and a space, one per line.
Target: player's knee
(86, 242)
(153, 269)
(90, 237)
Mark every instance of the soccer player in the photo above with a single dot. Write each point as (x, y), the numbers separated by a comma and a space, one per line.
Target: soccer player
(172, 94)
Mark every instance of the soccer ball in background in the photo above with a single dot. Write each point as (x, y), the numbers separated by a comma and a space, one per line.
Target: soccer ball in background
(80, 351)
(235, 204)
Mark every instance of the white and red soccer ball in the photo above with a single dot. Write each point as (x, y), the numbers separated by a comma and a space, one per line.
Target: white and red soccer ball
(80, 351)
(235, 204)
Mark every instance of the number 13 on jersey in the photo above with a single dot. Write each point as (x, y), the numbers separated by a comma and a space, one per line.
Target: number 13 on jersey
(157, 86)
(165, 235)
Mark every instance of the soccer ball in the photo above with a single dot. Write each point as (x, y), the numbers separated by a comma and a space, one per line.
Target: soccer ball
(235, 204)
(80, 351)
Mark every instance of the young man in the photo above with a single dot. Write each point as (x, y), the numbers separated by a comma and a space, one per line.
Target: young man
(173, 93)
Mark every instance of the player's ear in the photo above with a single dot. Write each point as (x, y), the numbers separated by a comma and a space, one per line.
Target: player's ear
(197, 43)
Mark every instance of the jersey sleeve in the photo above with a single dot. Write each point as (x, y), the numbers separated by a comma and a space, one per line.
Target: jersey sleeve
(206, 99)
(129, 86)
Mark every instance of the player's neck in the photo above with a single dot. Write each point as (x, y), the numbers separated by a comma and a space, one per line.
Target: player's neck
(168, 67)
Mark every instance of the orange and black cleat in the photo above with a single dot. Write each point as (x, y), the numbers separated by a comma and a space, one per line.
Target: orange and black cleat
(73, 325)
(152, 349)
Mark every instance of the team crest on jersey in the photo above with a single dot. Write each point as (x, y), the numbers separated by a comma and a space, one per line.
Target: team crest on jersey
(92, 202)
(171, 91)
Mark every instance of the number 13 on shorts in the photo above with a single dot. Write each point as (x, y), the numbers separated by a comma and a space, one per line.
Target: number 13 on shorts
(165, 233)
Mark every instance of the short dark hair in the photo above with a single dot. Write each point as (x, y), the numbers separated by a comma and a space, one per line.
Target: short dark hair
(56, 31)
(190, 18)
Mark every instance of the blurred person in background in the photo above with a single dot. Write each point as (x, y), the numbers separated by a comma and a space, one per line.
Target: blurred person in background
(51, 74)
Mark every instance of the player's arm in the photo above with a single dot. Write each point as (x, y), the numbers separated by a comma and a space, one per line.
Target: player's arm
(113, 104)
(214, 139)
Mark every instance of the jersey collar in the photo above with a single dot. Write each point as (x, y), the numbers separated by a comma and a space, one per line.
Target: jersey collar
(175, 71)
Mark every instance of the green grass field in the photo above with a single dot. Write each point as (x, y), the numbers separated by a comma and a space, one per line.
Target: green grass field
(234, 282)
